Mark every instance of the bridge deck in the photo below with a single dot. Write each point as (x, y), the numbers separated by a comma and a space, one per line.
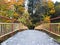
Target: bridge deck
(31, 37)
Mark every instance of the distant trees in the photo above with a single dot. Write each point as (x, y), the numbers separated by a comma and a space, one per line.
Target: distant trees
(43, 10)
(35, 10)
(57, 8)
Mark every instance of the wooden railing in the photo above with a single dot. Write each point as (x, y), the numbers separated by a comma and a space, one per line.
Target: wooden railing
(6, 28)
(53, 28)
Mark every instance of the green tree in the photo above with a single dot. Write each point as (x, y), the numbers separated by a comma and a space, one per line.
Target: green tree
(25, 19)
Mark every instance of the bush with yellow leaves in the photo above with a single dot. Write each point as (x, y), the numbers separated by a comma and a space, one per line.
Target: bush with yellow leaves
(47, 19)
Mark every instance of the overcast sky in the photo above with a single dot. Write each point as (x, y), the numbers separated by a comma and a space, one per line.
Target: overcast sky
(56, 0)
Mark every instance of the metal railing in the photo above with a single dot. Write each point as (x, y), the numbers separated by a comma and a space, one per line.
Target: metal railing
(6, 28)
(52, 27)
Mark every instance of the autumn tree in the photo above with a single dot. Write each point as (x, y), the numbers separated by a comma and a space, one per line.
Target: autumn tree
(51, 7)
(8, 9)
(25, 19)
(57, 13)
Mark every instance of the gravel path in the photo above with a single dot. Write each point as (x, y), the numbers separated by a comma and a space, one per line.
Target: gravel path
(30, 37)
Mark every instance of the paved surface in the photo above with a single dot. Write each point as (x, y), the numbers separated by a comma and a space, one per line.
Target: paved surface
(30, 37)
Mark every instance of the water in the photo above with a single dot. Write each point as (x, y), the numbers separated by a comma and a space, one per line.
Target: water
(30, 37)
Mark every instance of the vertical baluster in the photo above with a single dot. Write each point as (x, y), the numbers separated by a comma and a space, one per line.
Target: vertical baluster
(58, 28)
(50, 27)
(54, 28)
(0, 29)
(19, 26)
(55, 25)
(5, 28)
(12, 27)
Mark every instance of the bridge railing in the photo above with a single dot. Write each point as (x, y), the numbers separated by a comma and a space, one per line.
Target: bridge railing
(52, 27)
(6, 28)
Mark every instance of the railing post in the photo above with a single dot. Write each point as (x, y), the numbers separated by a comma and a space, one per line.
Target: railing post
(0, 29)
(4, 29)
(19, 26)
(12, 27)
(58, 29)
(50, 27)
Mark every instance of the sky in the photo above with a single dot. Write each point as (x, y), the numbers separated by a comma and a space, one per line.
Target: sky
(56, 0)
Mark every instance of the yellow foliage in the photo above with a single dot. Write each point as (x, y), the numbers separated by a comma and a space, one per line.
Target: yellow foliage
(20, 2)
(50, 4)
(21, 9)
(15, 14)
(52, 11)
(51, 7)
(10, 1)
(47, 19)
(8, 21)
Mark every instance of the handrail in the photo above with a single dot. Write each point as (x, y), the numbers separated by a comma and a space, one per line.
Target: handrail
(53, 27)
(6, 28)
(50, 27)
(56, 18)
